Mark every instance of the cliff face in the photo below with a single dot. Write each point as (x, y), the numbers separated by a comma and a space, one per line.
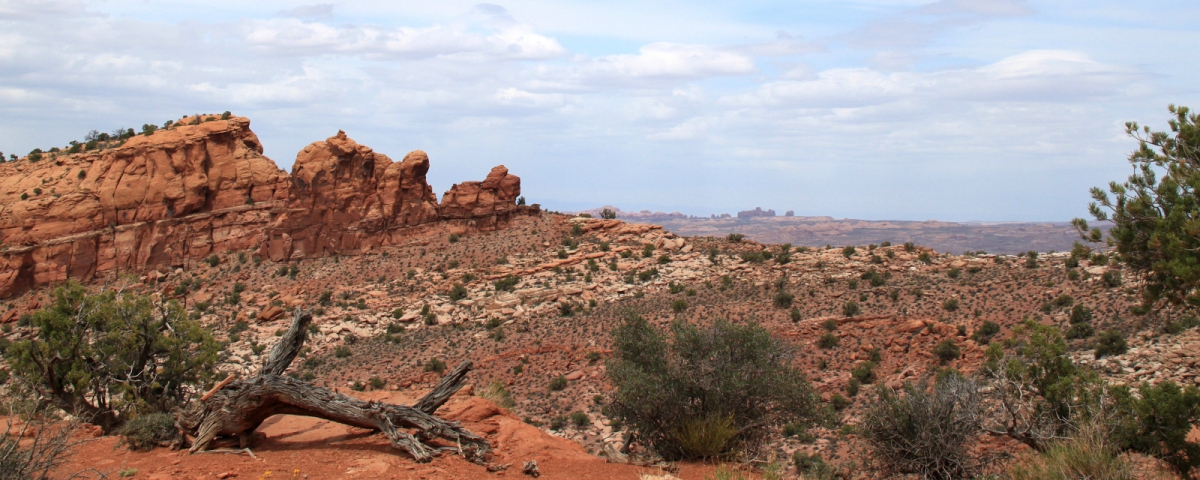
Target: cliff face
(194, 190)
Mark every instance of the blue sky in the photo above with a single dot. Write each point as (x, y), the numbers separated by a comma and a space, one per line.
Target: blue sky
(885, 109)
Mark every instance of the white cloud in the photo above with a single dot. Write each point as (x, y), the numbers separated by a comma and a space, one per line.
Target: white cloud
(454, 41)
(1043, 75)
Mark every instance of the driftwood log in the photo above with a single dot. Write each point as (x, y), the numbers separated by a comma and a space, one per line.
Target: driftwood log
(238, 407)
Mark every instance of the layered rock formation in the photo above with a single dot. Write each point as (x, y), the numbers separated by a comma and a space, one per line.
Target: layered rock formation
(194, 190)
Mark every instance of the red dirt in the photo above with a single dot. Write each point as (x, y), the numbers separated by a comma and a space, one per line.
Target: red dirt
(301, 447)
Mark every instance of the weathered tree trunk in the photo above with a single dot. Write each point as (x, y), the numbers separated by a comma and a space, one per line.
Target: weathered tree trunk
(242, 405)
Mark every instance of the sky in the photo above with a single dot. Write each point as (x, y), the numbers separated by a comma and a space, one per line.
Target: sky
(993, 110)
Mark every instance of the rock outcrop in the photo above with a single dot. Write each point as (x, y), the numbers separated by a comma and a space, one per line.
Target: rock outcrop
(204, 187)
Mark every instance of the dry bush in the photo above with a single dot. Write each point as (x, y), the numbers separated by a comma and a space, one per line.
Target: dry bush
(33, 442)
(926, 430)
(1087, 455)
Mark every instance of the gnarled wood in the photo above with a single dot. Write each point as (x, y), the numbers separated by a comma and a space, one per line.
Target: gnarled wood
(239, 408)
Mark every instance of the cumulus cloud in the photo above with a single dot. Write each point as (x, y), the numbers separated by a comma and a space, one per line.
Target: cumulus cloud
(504, 39)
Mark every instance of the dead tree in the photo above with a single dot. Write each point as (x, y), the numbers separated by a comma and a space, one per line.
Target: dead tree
(240, 406)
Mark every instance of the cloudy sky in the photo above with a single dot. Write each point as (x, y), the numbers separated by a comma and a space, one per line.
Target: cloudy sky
(875, 109)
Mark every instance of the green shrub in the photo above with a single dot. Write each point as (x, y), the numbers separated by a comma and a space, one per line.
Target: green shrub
(145, 432)
(1079, 331)
(376, 383)
(1081, 314)
(1110, 343)
(864, 372)
(558, 383)
(90, 355)
(507, 284)
(812, 466)
(678, 391)
(925, 258)
(457, 292)
(558, 422)
(947, 350)
(735, 237)
(679, 305)
(784, 299)
(1158, 421)
(950, 305)
(849, 251)
(838, 402)
(1111, 278)
(341, 351)
(953, 272)
(850, 309)
(795, 314)
(212, 260)
(983, 335)
(580, 419)
(435, 365)
(827, 340)
(1063, 300)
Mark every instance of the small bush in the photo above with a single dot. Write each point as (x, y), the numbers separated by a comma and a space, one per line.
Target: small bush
(457, 292)
(950, 305)
(1086, 455)
(558, 422)
(1112, 279)
(925, 258)
(926, 431)
(947, 350)
(498, 394)
(558, 383)
(1161, 417)
(795, 314)
(828, 340)
(147, 431)
(679, 305)
(341, 351)
(849, 251)
(1081, 314)
(735, 237)
(1080, 331)
(212, 260)
(580, 419)
(784, 299)
(838, 402)
(850, 309)
(376, 383)
(812, 466)
(707, 437)
(507, 284)
(983, 335)
(1110, 343)
(864, 372)
(705, 391)
(435, 365)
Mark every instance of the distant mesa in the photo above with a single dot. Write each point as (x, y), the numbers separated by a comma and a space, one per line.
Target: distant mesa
(202, 186)
(757, 212)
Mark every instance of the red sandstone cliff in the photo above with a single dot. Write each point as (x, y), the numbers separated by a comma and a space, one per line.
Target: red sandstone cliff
(194, 190)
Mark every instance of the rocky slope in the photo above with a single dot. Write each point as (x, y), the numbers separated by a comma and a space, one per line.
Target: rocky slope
(203, 187)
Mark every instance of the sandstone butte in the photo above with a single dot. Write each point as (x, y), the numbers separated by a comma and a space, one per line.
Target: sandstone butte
(194, 190)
